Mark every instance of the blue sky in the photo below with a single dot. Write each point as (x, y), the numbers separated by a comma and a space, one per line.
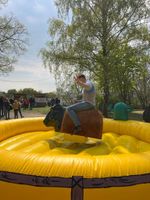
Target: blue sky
(29, 70)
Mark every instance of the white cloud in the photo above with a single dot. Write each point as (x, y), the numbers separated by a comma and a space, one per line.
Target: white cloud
(39, 7)
(32, 66)
(31, 19)
(29, 74)
(34, 14)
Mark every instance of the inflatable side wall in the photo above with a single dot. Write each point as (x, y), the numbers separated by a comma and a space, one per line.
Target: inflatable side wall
(53, 176)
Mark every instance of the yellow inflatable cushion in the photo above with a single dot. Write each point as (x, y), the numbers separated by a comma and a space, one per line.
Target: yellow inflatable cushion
(28, 147)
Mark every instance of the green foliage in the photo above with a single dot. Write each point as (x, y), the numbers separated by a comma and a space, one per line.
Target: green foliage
(28, 91)
(12, 92)
(107, 39)
(51, 95)
(13, 41)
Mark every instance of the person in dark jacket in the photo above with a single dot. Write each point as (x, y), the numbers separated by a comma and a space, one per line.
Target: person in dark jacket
(31, 102)
(6, 108)
(1, 107)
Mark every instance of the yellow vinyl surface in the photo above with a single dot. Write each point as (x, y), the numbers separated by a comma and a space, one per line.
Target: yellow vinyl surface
(11, 191)
(28, 147)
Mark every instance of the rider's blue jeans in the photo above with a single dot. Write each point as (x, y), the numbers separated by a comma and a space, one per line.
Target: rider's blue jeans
(73, 109)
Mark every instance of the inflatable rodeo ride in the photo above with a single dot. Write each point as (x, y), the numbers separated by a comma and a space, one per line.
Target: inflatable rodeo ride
(38, 163)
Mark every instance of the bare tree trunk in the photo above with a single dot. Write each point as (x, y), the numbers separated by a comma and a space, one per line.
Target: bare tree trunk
(105, 57)
(106, 92)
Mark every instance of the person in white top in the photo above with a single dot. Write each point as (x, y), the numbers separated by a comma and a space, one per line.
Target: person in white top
(87, 103)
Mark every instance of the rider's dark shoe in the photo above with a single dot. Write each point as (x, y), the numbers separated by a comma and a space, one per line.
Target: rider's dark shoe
(77, 129)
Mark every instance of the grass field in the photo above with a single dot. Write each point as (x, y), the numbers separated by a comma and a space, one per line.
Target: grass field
(42, 110)
(134, 115)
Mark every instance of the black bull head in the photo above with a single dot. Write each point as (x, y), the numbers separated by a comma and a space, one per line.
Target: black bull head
(55, 117)
(146, 114)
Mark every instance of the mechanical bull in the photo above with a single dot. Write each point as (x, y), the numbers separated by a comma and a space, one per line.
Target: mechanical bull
(91, 121)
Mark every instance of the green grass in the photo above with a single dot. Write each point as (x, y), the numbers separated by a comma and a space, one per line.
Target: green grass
(134, 115)
(138, 111)
(42, 110)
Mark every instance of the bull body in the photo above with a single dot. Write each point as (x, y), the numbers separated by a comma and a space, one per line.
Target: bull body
(91, 121)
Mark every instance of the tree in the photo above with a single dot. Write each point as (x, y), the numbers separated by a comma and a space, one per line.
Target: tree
(12, 92)
(3, 2)
(28, 91)
(142, 87)
(51, 95)
(127, 71)
(88, 41)
(13, 41)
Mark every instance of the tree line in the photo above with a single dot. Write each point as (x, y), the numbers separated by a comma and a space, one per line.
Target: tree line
(13, 40)
(106, 39)
(27, 92)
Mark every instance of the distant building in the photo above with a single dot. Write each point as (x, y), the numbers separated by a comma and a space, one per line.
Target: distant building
(40, 100)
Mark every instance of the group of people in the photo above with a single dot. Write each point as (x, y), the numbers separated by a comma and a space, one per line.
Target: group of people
(53, 102)
(28, 103)
(6, 105)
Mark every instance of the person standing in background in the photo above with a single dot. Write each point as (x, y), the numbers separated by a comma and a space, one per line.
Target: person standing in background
(19, 110)
(16, 106)
(6, 108)
(1, 107)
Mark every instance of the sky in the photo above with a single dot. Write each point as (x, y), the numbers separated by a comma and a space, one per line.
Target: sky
(29, 71)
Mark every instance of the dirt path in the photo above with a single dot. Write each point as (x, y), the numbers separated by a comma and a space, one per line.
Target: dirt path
(26, 114)
(30, 113)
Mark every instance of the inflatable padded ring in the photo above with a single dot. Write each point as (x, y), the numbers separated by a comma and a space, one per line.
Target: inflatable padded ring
(34, 155)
